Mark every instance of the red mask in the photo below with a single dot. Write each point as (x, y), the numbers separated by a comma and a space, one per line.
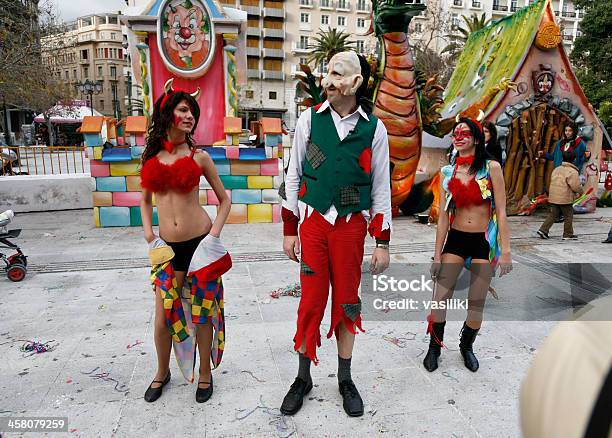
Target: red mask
(462, 134)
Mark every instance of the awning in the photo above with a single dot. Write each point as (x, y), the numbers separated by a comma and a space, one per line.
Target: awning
(62, 113)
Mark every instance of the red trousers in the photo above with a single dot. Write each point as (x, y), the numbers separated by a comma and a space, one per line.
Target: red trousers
(331, 254)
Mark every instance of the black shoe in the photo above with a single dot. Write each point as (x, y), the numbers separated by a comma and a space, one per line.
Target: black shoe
(468, 335)
(295, 397)
(431, 358)
(153, 394)
(572, 237)
(352, 403)
(607, 241)
(203, 394)
(543, 235)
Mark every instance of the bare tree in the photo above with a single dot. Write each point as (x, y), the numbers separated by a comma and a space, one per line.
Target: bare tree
(427, 38)
(27, 81)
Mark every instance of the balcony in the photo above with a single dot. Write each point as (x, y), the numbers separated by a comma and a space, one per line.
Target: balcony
(274, 12)
(273, 75)
(343, 6)
(253, 74)
(568, 14)
(579, 14)
(298, 49)
(514, 8)
(274, 33)
(501, 8)
(253, 51)
(254, 31)
(274, 53)
(326, 5)
(458, 3)
(251, 10)
(306, 4)
(568, 38)
(476, 5)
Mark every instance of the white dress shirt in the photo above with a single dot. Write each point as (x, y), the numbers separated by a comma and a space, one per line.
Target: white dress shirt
(381, 186)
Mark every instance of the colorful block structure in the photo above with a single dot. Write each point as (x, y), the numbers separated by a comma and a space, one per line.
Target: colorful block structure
(250, 175)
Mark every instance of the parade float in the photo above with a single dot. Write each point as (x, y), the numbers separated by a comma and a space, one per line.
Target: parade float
(517, 73)
(513, 72)
(192, 45)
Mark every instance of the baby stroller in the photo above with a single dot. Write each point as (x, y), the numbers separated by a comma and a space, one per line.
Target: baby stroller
(16, 264)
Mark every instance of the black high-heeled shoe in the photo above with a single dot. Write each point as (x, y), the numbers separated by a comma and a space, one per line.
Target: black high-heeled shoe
(203, 394)
(153, 394)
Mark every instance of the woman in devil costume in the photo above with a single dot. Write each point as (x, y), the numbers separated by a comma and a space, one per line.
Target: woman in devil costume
(188, 251)
(472, 231)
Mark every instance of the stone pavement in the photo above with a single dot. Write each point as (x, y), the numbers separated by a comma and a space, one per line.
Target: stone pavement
(87, 291)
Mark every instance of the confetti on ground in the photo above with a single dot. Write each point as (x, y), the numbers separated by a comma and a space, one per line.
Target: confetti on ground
(106, 378)
(250, 373)
(399, 342)
(450, 376)
(34, 347)
(276, 418)
(138, 342)
(294, 290)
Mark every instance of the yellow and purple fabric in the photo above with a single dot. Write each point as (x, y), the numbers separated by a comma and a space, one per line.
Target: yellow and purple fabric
(483, 178)
(200, 300)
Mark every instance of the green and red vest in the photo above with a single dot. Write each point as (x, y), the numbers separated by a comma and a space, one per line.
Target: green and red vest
(337, 172)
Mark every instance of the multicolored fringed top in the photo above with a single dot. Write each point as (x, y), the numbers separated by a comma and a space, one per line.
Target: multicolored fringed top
(201, 300)
(483, 178)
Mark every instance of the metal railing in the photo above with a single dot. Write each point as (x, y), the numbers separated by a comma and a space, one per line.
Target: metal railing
(43, 160)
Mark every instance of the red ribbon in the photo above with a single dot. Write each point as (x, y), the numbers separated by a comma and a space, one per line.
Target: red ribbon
(464, 160)
(169, 146)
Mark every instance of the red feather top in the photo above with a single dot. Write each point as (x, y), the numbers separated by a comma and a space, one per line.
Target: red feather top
(465, 195)
(181, 176)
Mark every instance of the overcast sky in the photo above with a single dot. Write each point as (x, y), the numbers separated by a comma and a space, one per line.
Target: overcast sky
(69, 10)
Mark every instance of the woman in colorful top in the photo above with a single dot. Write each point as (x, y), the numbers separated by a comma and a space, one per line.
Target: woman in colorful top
(171, 168)
(472, 231)
(569, 142)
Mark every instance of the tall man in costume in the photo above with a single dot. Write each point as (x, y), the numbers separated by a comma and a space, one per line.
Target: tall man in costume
(337, 180)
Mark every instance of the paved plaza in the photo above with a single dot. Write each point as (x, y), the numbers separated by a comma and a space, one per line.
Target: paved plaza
(87, 291)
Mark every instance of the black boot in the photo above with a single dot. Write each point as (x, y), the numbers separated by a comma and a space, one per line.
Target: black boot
(468, 336)
(435, 344)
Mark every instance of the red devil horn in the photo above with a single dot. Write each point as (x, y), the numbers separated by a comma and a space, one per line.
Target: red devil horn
(168, 86)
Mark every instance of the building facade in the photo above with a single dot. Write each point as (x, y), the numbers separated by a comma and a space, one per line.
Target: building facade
(444, 16)
(92, 48)
(278, 35)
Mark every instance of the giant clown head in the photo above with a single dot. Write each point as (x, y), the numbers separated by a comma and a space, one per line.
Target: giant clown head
(343, 76)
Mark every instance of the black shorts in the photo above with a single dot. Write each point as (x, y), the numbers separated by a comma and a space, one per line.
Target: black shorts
(183, 251)
(466, 244)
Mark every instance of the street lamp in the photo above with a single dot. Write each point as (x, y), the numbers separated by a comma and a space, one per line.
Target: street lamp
(89, 88)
